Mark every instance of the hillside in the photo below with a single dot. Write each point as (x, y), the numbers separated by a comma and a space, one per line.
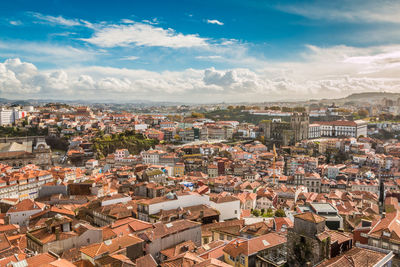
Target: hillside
(372, 95)
(134, 142)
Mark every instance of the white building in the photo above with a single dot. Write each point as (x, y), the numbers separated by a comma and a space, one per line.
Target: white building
(9, 116)
(314, 131)
(20, 213)
(343, 128)
(152, 156)
(6, 116)
(121, 153)
(228, 205)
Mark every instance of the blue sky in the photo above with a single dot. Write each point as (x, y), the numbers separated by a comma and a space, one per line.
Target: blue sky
(198, 51)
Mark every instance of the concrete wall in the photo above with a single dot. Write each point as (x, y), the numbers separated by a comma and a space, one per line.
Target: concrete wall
(21, 218)
(228, 210)
(157, 245)
(182, 201)
(46, 191)
(116, 200)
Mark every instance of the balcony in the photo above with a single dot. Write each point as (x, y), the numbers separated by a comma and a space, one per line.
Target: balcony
(275, 258)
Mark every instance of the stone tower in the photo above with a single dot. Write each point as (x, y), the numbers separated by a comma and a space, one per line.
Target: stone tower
(307, 242)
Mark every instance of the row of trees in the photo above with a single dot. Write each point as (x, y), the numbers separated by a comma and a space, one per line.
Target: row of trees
(6, 131)
(268, 213)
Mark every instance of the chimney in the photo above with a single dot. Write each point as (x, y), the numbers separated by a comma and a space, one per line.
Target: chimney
(383, 215)
(201, 213)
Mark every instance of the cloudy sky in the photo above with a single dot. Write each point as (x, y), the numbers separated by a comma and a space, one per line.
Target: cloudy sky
(198, 51)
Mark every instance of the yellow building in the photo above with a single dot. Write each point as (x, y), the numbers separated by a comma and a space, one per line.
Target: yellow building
(179, 170)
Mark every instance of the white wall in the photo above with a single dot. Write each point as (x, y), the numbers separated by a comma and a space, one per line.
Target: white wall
(115, 201)
(182, 201)
(22, 217)
(228, 210)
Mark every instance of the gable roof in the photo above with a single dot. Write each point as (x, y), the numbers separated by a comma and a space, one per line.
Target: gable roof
(310, 217)
(254, 245)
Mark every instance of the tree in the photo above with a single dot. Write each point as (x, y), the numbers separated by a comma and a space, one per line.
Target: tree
(299, 109)
(274, 108)
(262, 211)
(197, 115)
(287, 109)
(256, 213)
(280, 213)
(363, 113)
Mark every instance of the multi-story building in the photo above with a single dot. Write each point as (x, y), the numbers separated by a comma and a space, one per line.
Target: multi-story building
(10, 116)
(58, 235)
(384, 234)
(24, 184)
(227, 205)
(214, 132)
(121, 154)
(312, 181)
(152, 156)
(164, 236)
(264, 250)
(343, 128)
(20, 213)
(314, 131)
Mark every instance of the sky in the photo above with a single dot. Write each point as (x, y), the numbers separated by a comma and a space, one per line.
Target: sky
(198, 51)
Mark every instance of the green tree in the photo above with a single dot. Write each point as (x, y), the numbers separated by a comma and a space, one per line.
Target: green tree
(280, 213)
(197, 115)
(256, 213)
(274, 108)
(363, 113)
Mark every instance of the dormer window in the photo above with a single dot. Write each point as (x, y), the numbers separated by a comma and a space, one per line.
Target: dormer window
(387, 234)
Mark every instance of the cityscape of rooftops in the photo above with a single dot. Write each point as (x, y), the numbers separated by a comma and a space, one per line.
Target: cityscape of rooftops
(176, 133)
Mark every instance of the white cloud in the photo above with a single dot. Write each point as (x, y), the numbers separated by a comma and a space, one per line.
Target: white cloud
(130, 58)
(322, 73)
(154, 21)
(141, 34)
(214, 21)
(386, 11)
(45, 52)
(127, 21)
(15, 22)
(212, 57)
(60, 20)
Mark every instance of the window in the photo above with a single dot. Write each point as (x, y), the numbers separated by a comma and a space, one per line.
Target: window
(221, 236)
(235, 211)
(242, 260)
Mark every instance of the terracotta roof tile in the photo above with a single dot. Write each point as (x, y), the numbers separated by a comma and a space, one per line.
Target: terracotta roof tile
(311, 217)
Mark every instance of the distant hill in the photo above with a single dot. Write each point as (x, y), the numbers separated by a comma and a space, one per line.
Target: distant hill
(371, 96)
(365, 97)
